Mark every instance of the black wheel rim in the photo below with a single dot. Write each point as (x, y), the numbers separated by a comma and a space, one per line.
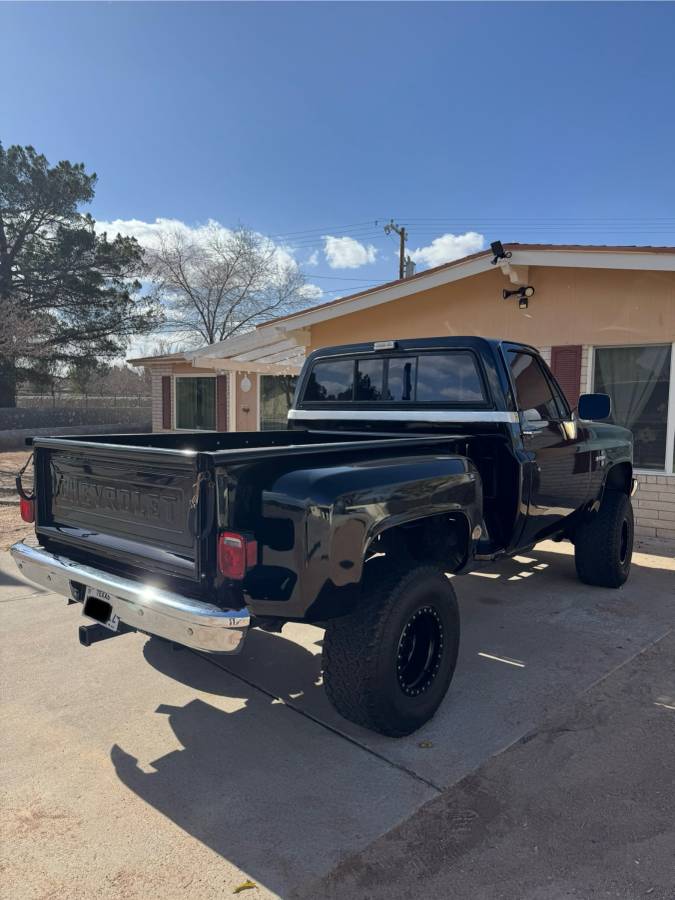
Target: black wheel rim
(623, 547)
(420, 649)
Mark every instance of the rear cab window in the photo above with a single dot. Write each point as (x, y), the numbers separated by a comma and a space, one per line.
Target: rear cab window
(330, 381)
(401, 375)
(451, 377)
(369, 379)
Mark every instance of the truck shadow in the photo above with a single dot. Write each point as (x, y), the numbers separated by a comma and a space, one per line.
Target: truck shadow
(8, 579)
(268, 789)
(284, 798)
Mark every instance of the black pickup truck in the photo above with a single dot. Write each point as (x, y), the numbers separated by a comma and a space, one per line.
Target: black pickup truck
(403, 461)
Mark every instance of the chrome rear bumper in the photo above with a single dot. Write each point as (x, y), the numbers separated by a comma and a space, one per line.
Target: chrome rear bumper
(152, 610)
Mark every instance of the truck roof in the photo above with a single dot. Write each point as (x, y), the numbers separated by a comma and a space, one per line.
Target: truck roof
(408, 344)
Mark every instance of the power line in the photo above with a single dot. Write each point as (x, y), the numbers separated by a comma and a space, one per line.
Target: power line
(352, 290)
(343, 278)
(320, 238)
(543, 221)
(368, 229)
(370, 223)
(502, 219)
(428, 229)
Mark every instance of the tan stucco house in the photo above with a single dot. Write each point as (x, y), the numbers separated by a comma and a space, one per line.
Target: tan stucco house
(603, 317)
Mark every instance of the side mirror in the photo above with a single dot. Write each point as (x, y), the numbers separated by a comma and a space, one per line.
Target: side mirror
(594, 406)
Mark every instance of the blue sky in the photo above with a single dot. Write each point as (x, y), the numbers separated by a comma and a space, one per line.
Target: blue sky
(541, 122)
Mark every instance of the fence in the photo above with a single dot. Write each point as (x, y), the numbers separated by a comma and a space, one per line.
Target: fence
(19, 423)
(83, 401)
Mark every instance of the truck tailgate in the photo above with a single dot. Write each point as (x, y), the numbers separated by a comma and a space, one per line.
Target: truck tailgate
(126, 503)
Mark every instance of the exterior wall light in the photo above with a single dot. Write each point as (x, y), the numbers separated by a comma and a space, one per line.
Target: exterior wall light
(523, 293)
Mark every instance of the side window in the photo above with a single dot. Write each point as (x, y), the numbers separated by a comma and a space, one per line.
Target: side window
(449, 378)
(533, 393)
(331, 381)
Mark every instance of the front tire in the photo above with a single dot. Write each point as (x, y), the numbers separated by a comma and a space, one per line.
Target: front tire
(388, 665)
(603, 545)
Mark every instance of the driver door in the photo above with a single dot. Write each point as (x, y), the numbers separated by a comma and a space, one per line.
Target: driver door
(554, 442)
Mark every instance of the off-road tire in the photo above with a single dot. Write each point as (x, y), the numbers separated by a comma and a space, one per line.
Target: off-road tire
(603, 544)
(368, 669)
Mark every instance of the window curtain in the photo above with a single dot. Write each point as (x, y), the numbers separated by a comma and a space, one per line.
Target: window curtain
(631, 375)
(637, 378)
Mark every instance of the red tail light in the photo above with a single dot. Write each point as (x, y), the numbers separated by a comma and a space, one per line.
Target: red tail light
(27, 508)
(236, 554)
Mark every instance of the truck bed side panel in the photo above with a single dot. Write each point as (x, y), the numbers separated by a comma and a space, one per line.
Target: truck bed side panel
(320, 521)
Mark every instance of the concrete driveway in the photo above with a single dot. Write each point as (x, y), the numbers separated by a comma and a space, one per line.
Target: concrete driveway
(132, 770)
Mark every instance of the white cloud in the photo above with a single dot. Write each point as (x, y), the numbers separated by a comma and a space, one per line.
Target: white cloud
(149, 234)
(311, 291)
(347, 253)
(448, 247)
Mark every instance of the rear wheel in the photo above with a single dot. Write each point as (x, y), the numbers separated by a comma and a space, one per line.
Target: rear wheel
(603, 545)
(388, 665)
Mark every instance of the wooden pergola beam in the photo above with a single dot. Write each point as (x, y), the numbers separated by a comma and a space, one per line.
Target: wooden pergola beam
(231, 365)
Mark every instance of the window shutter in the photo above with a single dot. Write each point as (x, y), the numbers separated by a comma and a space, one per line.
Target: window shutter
(566, 366)
(166, 401)
(221, 403)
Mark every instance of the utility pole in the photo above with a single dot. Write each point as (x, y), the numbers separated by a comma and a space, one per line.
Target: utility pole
(403, 236)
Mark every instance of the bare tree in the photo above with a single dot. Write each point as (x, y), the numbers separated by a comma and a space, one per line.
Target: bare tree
(222, 282)
(160, 347)
(115, 382)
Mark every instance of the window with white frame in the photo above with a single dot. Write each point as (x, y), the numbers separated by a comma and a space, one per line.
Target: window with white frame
(639, 381)
(196, 403)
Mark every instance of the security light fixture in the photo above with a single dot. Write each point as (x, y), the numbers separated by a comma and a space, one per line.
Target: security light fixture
(523, 293)
(499, 252)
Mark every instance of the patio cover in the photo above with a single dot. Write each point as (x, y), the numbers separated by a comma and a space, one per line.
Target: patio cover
(269, 350)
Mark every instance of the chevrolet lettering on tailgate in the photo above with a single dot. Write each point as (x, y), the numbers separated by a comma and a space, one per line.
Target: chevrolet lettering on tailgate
(87, 494)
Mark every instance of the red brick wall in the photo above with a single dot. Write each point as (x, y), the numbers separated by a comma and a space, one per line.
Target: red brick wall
(566, 366)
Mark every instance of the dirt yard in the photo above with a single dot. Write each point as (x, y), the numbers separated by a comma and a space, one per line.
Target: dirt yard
(12, 529)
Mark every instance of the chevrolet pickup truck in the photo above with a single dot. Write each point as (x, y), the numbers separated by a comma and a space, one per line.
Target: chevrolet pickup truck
(404, 461)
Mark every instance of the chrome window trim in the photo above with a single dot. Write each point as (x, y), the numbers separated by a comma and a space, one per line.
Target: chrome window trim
(405, 415)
